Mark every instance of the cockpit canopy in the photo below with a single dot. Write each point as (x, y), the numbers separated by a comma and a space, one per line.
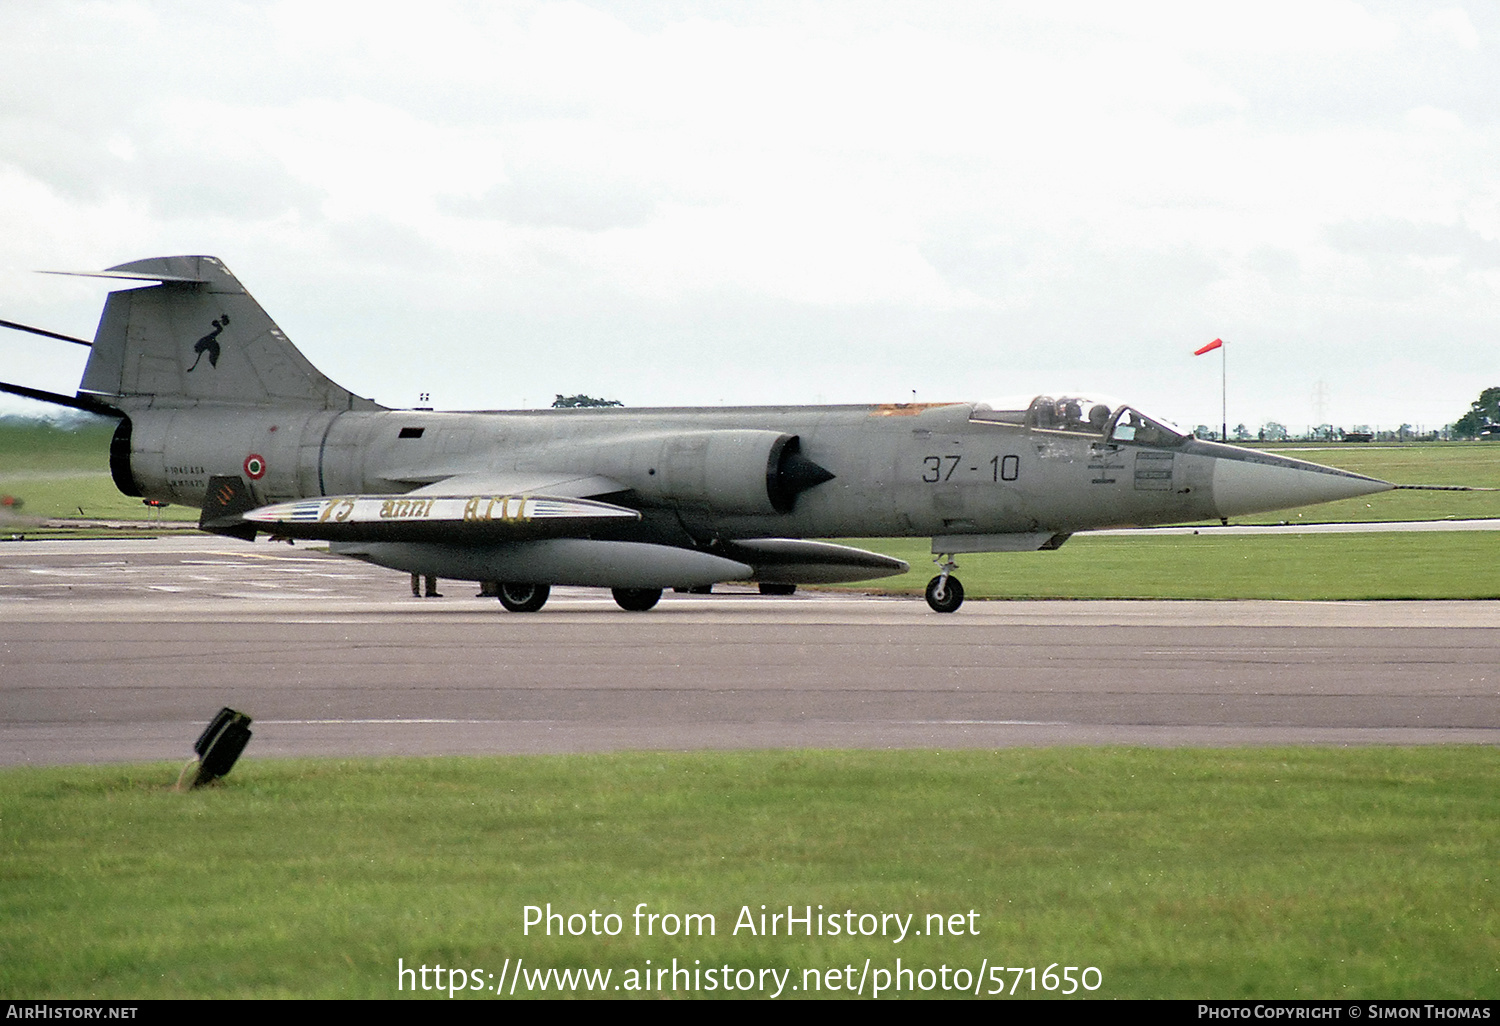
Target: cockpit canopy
(1095, 416)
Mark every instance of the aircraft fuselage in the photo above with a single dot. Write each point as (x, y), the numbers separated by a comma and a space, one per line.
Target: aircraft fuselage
(898, 471)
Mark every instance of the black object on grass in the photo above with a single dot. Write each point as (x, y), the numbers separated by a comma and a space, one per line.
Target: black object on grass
(221, 744)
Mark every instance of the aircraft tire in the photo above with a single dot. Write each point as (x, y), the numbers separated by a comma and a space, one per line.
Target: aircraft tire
(772, 588)
(636, 600)
(523, 598)
(953, 595)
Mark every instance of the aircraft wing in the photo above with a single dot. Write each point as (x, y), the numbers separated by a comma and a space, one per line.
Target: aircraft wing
(552, 485)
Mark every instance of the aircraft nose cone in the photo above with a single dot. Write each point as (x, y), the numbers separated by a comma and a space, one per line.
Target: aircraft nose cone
(1259, 482)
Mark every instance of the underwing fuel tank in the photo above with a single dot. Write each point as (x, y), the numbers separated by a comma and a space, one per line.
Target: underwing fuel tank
(1246, 481)
(568, 561)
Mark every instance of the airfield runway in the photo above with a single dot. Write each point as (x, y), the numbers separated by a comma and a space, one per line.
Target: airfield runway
(122, 650)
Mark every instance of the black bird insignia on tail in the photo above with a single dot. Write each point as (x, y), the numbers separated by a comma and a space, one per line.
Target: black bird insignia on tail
(210, 343)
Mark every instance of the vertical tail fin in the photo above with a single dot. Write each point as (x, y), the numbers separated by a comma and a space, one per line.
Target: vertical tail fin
(199, 337)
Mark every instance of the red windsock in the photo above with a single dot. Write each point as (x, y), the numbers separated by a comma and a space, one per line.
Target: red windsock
(1215, 344)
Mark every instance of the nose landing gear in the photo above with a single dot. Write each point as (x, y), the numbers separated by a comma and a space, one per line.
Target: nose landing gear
(944, 592)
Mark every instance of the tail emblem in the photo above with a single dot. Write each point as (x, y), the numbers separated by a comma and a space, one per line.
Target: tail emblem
(210, 343)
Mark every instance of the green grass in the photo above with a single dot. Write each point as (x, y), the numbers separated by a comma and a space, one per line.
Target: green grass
(80, 494)
(1178, 873)
(43, 445)
(1310, 567)
(64, 472)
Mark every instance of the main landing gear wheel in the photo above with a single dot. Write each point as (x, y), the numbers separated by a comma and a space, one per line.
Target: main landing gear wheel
(770, 588)
(524, 598)
(636, 600)
(945, 596)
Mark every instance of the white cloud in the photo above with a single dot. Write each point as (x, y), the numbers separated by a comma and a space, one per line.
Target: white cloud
(948, 197)
(1452, 26)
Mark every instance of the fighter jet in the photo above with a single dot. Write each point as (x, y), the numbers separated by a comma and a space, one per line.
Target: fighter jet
(635, 500)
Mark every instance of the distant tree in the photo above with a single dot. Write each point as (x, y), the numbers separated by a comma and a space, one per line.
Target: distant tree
(1274, 432)
(1483, 412)
(1241, 432)
(568, 402)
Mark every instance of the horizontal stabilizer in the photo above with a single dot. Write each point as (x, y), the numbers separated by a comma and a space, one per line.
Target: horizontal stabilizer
(181, 270)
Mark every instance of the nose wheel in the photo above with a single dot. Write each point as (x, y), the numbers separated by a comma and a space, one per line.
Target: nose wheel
(944, 592)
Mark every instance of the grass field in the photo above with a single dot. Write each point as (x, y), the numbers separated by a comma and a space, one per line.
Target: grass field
(44, 445)
(1176, 873)
(64, 472)
(1314, 567)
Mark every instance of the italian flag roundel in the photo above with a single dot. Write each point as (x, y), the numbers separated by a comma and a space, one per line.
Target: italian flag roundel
(255, 467)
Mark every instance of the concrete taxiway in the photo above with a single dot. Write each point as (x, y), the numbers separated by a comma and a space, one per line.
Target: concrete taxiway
(122, 650)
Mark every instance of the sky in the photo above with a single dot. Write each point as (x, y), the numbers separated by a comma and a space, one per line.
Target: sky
(685, 204)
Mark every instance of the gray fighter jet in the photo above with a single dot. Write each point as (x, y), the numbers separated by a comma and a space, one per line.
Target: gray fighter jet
(218, 410)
